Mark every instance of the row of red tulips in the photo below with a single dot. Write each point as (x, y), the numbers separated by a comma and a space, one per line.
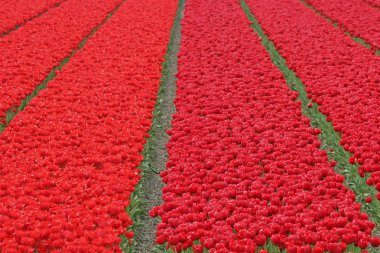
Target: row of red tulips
(68, 162)
(341, 76)
(244, 164)
(29, 54)
(356, 17)
(15, 13)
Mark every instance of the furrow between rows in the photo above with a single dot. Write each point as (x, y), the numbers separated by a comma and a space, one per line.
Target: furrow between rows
(148, 192)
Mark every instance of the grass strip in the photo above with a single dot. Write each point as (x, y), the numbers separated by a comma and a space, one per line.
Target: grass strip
(155, 153)
(358, 40)
(16, 27)
(11, 113)
(328, 137)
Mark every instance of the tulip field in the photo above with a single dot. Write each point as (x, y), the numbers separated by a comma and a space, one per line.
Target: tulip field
(190, 126)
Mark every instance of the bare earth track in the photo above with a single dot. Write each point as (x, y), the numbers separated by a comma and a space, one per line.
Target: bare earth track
(155, 150)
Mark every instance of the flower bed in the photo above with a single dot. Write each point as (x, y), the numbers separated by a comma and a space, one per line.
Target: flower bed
(68, 162)
(341, 76)
(244, 165)
(14, 13)
(30, 53)
(356, 17)
(373, 3)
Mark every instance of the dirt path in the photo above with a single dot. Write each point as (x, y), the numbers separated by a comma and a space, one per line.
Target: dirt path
(156, 154)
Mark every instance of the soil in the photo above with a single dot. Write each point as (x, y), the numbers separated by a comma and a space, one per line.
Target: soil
(152, 184)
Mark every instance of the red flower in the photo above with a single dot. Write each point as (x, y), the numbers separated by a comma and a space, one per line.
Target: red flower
(244, 165)
(368, 199)
(68, 162)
